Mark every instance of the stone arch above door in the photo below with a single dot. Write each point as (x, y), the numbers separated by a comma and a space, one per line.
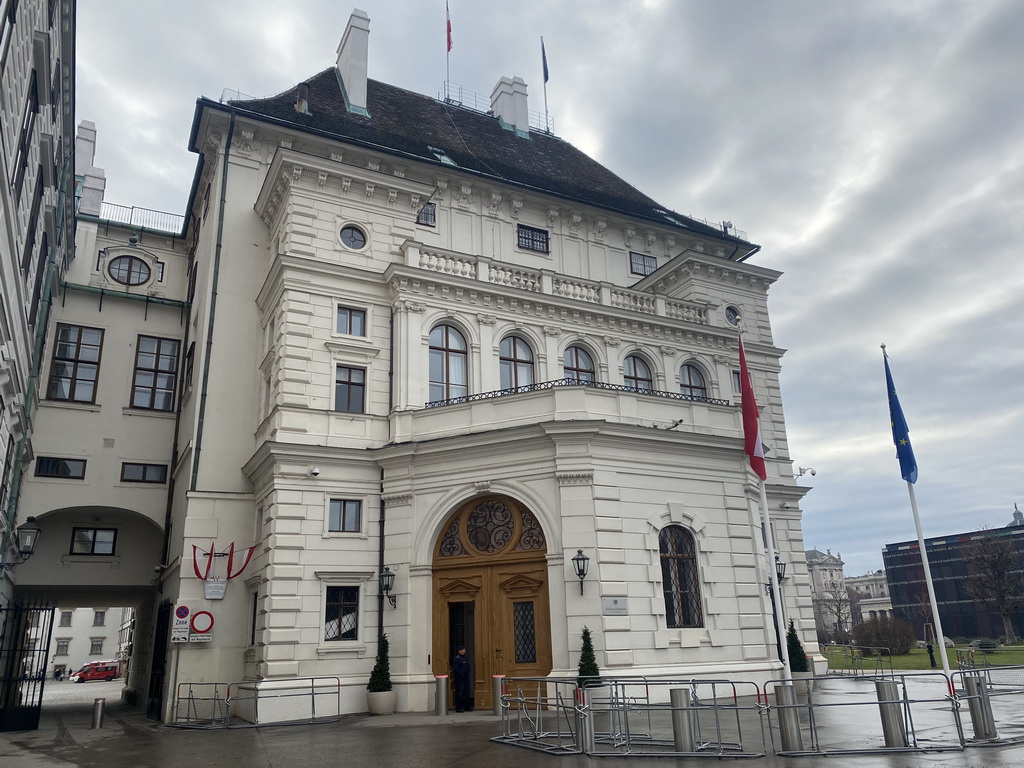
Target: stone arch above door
(486, 527)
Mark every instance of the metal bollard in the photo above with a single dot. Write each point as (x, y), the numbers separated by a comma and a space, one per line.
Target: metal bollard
(684, 720)
(97, 713)
(497, 689)
(890, 706)
(584, 722)
(980, 707)
(789, 719)
(441, 696)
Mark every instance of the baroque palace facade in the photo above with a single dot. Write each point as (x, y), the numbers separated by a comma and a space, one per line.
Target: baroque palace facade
(396, 334)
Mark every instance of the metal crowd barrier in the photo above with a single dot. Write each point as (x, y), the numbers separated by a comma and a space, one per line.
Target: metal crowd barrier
(857, 660)
(247, 704)
(993, 699)
(201, 705)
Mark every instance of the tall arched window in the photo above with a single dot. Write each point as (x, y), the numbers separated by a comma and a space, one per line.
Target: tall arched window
(578, 364)
(516, 361)
(449, 366)
(691, 382)
(679, 577)
(638, 374)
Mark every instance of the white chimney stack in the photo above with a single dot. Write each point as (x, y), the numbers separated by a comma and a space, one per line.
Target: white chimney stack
(353, 53)
(508, 102)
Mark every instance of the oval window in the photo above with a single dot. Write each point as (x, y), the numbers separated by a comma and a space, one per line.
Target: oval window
(129, 270)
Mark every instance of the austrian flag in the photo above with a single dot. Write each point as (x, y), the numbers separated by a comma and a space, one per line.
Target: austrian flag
(752, 444)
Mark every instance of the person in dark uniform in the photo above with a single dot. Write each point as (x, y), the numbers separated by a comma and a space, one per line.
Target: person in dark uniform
(460, 678)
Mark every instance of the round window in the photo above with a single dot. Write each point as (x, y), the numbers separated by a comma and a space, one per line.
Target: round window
(732, 315)
(353, 237)
(129, 270)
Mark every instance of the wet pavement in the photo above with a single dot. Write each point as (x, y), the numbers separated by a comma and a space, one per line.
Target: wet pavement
(129, 740)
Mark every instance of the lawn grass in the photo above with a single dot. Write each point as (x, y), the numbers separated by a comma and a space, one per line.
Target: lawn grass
(1007, 656)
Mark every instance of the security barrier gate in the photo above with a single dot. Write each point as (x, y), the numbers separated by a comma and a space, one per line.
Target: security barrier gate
(24, 649)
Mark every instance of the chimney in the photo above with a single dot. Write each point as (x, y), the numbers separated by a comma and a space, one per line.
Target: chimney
(508, 103)
(352, 56)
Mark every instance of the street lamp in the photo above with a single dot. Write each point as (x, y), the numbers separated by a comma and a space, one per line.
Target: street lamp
(387, 583)
(580, 564)
(27, 535)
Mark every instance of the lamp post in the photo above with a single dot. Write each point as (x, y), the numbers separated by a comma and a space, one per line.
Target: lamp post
(580, 563)
(27, 535)
(387, 583)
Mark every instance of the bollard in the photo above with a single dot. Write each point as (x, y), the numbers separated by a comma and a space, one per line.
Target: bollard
(97, 712)
(684, 720)
(789, 719)
(497, 689)
(584, 722)
(441, 696)
(980, 707)
(891, 709)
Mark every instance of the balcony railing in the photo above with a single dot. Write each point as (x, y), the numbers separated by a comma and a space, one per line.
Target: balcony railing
(573, 383)
(143, 218)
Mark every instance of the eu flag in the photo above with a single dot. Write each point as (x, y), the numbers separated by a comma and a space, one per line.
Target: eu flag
(900, 431)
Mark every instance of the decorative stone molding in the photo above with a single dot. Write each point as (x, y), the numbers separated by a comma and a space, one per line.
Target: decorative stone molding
(441, 188)
(553, 331)
(575, 219)
(516, 205)
(373, 165)
(405, 305)
(486, 319)
(600, 228)
(337, 156)
(396, 499)
(628, 233)
(286, 143)
(670, 244)
(699, 246)
(612, 341)
(723, 359)
(574, 478)
(465, 195)
(369, 192)
(494, 206)
(650, 238)
(398, 171)
(392, 197)
(249, 145)
(482, 486)
(296, 174)
(414, 202)
(346, 186)
(552, 217)
(667, 350)
(321, 180)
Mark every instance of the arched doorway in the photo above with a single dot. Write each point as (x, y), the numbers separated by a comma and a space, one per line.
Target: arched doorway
(491, 593)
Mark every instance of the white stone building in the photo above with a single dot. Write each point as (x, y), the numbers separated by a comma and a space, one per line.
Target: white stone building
(396, 333)
(829, 596)
(870, 599)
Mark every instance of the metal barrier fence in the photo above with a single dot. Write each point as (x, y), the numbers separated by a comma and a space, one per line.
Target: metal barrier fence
(248, 704)
(857, 660)
(201, 705)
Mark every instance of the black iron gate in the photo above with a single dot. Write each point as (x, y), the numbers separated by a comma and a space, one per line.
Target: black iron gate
(24, 650)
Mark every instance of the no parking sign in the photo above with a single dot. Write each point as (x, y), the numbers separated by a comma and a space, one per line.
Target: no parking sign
(190, 626)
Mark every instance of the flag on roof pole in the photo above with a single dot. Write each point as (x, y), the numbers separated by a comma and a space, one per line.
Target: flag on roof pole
(752, 445)
(448, 23)
(900, 430)
(544, 59)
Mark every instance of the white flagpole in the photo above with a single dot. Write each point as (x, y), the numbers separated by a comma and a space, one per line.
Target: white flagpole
(774, 577)
(544, 57)
(931, 588)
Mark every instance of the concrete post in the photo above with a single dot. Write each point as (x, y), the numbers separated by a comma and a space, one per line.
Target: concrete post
(890, 707)
(789, 719)
(584, 722)
(497, 689)
(684, 721)
(441, 696)
(980, 707)
(97, 713)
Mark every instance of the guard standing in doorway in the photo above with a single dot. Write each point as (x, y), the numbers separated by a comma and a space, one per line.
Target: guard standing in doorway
(460, 677)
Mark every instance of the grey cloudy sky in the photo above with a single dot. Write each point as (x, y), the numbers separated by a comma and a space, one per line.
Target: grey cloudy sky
(875, 149)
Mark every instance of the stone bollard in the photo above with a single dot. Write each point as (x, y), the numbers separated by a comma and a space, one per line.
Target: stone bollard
(684, 720)
(497, 689)
(891, 709)
(97, 713)
(441, 696)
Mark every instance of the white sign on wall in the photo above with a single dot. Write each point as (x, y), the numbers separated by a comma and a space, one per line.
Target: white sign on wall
(190, 626)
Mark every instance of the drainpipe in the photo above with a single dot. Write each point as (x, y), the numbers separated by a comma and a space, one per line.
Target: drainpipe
(380, 561)
(213, 308)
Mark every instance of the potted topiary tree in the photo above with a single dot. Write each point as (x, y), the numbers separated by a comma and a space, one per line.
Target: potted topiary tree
(381, 699)
(799, 664)
(588, 662)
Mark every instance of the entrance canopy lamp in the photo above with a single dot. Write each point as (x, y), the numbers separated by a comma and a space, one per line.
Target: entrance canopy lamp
(580, 564)
(387, 583)
(27, 535)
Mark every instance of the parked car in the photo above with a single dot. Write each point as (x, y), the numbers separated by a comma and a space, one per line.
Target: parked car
(97, 670)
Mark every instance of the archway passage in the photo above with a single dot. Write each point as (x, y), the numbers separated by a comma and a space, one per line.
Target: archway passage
(491, 594)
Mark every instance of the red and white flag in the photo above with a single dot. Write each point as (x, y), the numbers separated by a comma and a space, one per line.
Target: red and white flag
(752, 445)
(448, 20)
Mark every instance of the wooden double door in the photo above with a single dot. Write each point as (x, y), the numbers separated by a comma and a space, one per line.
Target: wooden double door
(491, 594)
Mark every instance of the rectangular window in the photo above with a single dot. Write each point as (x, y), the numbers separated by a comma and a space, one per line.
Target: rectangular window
(76, 363)
(533, 239)
(190, 359)
(93, 541)
(345, 516)
(143, 473)
(341, 613)
(99, 618)
(351, 321)
(156, 368)
(349, 389)
(62, 647)
(641, 264)
(25, 137)
(95, 646)
(159, 271)
(65, 618)
(5, 473)
(736, 386)
(427, 215)
(51, 466)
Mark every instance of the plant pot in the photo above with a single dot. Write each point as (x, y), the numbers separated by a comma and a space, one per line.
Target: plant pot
(381, 702)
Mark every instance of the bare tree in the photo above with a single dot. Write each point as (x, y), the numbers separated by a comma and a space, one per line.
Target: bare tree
(834, 604)
(995, 576)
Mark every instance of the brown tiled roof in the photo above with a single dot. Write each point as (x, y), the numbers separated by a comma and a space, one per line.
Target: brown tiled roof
(409, 124)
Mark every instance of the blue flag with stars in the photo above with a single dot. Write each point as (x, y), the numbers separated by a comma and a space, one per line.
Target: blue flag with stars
(900, 430)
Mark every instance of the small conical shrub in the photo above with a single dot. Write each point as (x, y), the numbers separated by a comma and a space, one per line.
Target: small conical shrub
(380, 677)
(588, 662)
(797, 657)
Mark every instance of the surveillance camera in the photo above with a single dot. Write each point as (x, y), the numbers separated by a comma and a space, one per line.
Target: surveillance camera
(315, 471)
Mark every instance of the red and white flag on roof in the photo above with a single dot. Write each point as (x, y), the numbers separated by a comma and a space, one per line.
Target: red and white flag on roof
(448, 21)
(752, 444)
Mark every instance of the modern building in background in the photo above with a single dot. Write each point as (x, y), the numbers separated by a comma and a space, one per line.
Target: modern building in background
(962, 616)
(37, 99)
(401, 362)
(829, 597)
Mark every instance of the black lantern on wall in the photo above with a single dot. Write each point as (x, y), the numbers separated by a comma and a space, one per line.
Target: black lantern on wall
(580, 563)
(27, 535)
(387, 583)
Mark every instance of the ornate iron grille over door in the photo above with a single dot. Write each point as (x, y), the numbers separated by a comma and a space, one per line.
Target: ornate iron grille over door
(24, 650)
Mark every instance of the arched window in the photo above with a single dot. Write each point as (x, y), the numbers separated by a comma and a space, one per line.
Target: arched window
(578, 364)
(516, 361)
(449, 365)
(679, 577)
(691, 382)
(638, 374)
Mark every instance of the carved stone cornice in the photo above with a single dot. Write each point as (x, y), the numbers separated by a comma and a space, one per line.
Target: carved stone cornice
(396, 499)
(574, 478)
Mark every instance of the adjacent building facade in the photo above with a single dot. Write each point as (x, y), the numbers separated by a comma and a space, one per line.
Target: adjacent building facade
(395, 335)
(869, 597)
(829, 597)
